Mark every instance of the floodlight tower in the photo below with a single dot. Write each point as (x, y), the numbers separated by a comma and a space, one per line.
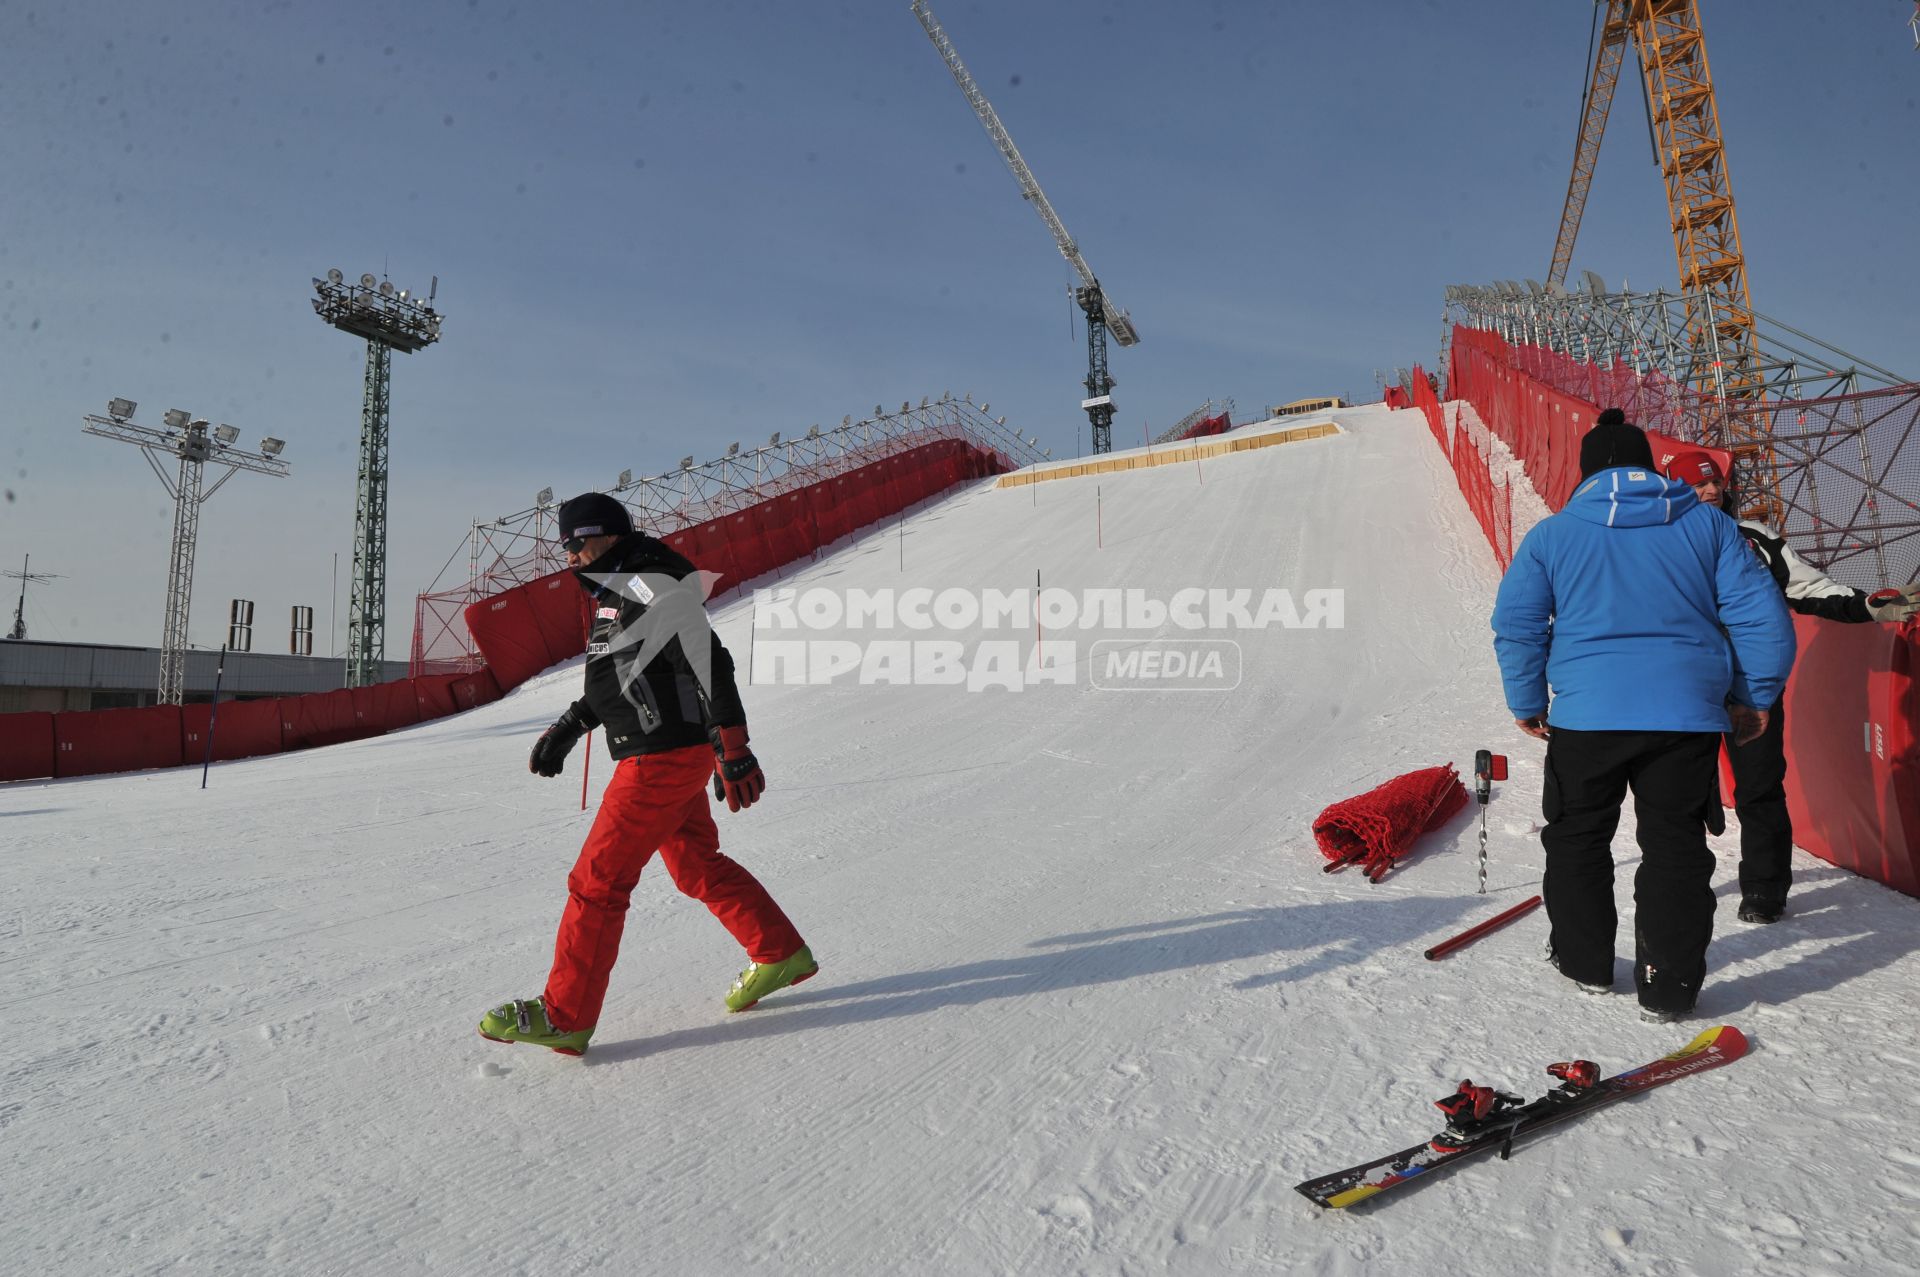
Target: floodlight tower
(188, 438)
(389, 321)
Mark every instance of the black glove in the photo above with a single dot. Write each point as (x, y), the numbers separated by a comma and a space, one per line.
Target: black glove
(737, 777)
(549, 757)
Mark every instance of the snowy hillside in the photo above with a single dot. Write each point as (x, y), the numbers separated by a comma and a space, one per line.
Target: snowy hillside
(1087, 1002)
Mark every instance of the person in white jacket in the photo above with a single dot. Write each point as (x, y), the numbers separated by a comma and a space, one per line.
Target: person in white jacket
(1760, 766)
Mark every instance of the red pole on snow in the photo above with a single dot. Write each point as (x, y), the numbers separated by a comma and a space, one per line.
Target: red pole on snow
(586, 763)
(1471, 934)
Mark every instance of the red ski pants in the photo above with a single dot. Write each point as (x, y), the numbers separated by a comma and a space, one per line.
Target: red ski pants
(656, 802)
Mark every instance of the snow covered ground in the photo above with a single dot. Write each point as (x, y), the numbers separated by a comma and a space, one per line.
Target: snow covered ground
(1087, 1001)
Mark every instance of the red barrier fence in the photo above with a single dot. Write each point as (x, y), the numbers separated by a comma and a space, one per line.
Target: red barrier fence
(26, 746)
(88, 742)
(244, 729)
(522, 631)
(1853, 783)
(534, 626)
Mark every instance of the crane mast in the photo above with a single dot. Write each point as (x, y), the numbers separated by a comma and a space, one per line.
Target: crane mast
(1103, 317)
(1706, 230)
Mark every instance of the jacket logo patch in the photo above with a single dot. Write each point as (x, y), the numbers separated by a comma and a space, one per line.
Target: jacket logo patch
(607, 614)
(641, 590)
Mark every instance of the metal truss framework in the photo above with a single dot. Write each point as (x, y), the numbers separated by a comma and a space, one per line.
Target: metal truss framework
(517, 548)
(1178, 429)
(1844, 433)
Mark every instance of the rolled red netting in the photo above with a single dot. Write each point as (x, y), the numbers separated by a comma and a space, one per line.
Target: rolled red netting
(1377, 828)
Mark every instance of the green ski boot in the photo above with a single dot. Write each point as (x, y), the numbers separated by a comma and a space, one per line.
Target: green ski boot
(760, 979)
(525, 1020)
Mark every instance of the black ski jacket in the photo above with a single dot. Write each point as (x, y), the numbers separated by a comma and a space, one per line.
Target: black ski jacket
(1809, 591)
(646, 598)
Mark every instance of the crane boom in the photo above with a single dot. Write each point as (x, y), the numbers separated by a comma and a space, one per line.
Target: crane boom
(1115, 318)
(1593, 125)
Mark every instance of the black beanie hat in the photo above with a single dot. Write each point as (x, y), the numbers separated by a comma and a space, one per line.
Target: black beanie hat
(593, 514)
(1613, 441)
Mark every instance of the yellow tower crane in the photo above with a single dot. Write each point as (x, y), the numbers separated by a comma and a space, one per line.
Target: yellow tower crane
(1706, 230)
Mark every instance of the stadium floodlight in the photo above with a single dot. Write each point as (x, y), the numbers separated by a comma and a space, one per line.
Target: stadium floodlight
(386, 288)
(813, 433)
(626, 477)
(986, 408)
(191, 442)
(878, 411)
(334, 276)
(733, 449)
(366, 280)
(545, 496)
(774, 440)
(844, 422)
(686, 463)
(923, 401)
(272, 447)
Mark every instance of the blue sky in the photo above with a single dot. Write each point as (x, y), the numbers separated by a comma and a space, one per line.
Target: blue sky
(659, 228)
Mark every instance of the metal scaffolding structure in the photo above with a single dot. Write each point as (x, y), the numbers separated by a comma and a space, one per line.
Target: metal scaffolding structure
(188, 439)
(1844, 432)
(520, 547)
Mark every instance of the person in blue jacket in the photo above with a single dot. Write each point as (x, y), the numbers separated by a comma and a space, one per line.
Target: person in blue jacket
(1656, 630)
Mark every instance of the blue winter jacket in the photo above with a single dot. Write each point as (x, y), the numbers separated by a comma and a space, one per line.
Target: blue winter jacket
(1643, 609)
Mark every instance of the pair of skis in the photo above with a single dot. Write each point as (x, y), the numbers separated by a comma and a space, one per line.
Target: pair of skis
(1500, 1128)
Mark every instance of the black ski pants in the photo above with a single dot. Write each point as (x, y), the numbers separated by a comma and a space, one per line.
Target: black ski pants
(1760, 800)
(1672, 776)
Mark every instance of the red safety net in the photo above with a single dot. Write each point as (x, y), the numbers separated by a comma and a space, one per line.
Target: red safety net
(1397, 397)
(89, 742)
(243, 729)
(26, 746)
(1428, 403)
(1376, 829)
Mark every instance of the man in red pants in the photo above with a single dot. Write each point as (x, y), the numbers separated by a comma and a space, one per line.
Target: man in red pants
(661, 683)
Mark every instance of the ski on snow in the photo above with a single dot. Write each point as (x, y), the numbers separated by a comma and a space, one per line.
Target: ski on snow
(1502, 1120)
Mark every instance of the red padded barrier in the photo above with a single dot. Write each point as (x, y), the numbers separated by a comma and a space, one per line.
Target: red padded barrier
(475, 689)
(385, 706)
(505, 629)
(320, 718)
(433, 693)
(559, 608)
(26, 746)
(244, 729)
(1853, 769)
(89, 742)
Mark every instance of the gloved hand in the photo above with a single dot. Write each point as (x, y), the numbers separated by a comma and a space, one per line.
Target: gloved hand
(1749, 724)
(736, 772)
(1894, 604)
(549, 757)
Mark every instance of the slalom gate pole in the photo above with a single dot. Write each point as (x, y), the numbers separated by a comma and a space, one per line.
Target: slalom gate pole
(1471, 934)
(586, 765)
(213, 714)
(1039, 639)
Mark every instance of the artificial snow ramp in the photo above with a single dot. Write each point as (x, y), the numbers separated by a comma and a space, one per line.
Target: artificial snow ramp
(1087, 1003)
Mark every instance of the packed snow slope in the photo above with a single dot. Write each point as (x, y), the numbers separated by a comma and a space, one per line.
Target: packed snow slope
(1087, 1002)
